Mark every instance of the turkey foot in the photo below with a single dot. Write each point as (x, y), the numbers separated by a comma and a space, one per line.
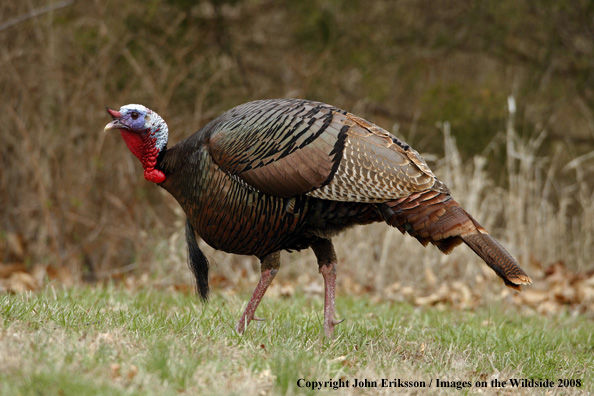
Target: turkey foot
(248, 315)
(328, 271)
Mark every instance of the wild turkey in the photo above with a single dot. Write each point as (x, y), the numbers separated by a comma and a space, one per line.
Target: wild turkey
(290, 174)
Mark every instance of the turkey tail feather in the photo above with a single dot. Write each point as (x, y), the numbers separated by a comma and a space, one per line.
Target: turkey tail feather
(498, 259)
(435, 217)
(197, 262)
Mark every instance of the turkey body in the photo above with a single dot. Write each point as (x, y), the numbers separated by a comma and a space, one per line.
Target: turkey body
(232, 216)
(289, 174)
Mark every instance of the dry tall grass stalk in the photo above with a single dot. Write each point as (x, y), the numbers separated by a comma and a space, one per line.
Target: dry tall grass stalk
(76, 197)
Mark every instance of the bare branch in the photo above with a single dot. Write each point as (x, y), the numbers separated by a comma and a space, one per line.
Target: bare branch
(34, 13)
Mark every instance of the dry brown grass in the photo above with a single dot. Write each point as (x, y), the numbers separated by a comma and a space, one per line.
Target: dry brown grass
(74, 198)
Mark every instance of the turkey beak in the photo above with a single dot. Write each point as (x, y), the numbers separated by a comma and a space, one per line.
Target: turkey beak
(115, 124)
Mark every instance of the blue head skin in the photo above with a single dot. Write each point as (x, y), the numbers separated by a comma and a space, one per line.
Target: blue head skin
(145, 134)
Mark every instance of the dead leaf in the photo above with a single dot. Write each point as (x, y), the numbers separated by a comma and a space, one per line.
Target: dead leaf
(132, 372)
(533, 296)
(287, 290)
(314, 288)
(61, 274)
(20, 282)
(15, 245)
(6, 270)
(548, 308)
(115, 370)
(430, 277)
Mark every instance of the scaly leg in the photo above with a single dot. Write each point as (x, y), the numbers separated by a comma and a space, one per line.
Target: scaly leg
(324, 251)
(269, 267)
(329, 274)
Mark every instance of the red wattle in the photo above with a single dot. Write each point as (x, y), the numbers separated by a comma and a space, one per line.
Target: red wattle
(144, 149)
(134, 142)
(155, 176)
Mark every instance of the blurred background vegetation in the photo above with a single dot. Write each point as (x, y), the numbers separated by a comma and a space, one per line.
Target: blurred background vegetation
(440, 74)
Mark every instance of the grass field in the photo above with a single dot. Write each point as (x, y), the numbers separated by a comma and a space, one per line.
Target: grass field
(114, 341)
(76, 209)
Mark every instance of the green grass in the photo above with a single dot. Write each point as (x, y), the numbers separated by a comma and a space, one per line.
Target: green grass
(111, 341)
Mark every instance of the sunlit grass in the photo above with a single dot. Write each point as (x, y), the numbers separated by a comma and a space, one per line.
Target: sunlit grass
(106, 341)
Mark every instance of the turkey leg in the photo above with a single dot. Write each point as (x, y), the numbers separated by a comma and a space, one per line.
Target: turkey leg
(269, 267)
(324, 251)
